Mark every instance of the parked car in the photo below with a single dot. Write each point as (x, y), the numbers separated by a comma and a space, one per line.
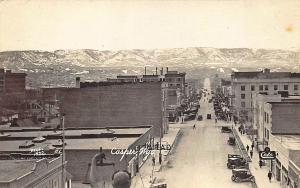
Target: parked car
(199, 118)
(238, 162)
(208, 116)
(242, 175)
(225, 129)
(231, 140)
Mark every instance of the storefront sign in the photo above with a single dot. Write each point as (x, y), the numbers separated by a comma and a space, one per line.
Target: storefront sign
(267, 154)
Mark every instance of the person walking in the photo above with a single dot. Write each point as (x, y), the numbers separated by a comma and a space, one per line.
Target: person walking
(260, 163)
(194, 127)
(153, 161)
(251, 154)
(252, 145)
(270, 175)
(247, 147)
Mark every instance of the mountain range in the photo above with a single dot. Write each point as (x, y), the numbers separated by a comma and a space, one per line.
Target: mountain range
(98, 65)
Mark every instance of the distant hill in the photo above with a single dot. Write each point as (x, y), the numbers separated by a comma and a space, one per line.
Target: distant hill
(95, 65)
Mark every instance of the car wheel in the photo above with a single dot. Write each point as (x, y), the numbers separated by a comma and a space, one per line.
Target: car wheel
(232, 178)
(237, 179)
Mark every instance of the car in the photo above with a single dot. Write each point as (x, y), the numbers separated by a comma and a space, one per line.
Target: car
(225, 129)
(242, 175)
(208, 116)
(238, 162)
(231, 140)
(199, 118)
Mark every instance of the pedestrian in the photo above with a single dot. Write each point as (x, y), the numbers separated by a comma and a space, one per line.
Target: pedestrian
(251, 154)
(160, 158)
(194, 127)
(247, 147)
(270, 175)
(216, 120)
(260, 163)
(153, 161)
(252, 145)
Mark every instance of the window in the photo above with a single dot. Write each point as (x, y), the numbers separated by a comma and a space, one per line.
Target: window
(295, 87)
(266, 87)
(252, 88)
(178, 79)
(243, 88)
(286, 87)
(243, 96)
(261, 87)
(275, 87)
(243, 104)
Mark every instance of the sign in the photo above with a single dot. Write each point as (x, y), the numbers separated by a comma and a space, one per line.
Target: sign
(267, 154)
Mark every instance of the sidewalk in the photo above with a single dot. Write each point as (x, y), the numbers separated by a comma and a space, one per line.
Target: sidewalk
(144, 177)
(260, 174)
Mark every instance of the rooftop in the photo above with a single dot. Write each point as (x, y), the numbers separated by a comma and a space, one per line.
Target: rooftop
(13, 169)
(75, 139)
(265, 74)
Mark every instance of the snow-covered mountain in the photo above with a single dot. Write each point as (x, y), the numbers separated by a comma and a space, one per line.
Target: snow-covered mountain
(97, 65)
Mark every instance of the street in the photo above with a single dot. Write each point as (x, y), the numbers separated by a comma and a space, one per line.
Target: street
(199, 160)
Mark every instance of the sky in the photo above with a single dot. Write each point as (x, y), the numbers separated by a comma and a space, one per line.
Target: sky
(132, 24)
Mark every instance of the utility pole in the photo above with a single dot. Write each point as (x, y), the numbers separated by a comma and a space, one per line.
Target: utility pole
(63, 152)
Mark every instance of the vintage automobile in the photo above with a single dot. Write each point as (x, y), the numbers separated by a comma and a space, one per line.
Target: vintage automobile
(199, 118)
(208, 116)
(242, 175)
(225, 129)
(231, 140)
(234, 156)
(237, 162)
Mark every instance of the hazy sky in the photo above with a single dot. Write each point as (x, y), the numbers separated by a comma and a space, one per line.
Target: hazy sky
(74, 24)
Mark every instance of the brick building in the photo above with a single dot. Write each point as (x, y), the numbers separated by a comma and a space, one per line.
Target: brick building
(246, 84)
(104, 104)
(176, 86)
(12, 82)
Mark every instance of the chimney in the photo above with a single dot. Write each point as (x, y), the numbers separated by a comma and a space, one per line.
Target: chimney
(77, 82)
(155, 70)
(162, 71)
(145, 70)
(167, 69)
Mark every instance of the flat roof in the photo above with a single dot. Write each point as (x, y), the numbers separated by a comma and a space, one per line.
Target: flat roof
(78, 143)
(12, 169)
(16, 132)
(291, 142)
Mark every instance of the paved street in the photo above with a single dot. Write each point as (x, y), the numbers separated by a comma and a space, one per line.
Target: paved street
(199, 160)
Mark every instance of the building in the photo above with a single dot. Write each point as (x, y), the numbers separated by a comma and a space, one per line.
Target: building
(246, 84)
(82, 145)
(104, 104)
(176, 87)
(12, 82)
(277, 120)
(27, 171)
(275, 114)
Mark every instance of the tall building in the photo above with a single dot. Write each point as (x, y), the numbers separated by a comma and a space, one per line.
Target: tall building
(246, 84)
(12, 82)
(176, 87)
